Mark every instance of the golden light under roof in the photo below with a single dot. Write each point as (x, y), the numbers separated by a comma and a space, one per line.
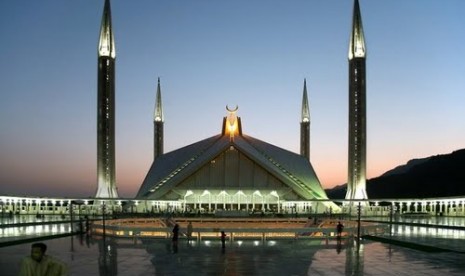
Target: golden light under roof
(232, 125)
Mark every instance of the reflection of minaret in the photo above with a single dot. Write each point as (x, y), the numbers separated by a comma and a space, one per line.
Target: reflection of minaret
(355, 258)
(108, 257)
(106, 109)
(305, 125)
(356, 181)
(158, 125)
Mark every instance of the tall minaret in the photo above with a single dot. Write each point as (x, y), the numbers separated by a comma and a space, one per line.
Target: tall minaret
(356, 181)
(106, 109)
(305, 125)
(158, 121)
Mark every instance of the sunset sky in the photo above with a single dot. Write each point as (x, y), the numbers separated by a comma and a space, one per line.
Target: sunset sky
(208, 54)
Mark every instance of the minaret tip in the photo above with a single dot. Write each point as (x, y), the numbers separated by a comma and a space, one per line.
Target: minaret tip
(106, 47)
(357, 48)
(305, 108)
(158, 114)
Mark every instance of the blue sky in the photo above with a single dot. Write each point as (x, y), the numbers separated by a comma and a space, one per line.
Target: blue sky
(212, 53)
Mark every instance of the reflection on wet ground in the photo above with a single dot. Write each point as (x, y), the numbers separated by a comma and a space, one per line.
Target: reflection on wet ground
(88, 256)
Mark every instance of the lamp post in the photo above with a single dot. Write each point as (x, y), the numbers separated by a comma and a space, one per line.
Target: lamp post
(359, 213)
(70, 206)
(1, 206)
(103, 219)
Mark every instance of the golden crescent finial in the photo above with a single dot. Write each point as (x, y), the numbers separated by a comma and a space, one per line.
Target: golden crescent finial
(234, 110)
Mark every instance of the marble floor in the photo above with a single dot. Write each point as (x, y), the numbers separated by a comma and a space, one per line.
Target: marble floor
(89, 256)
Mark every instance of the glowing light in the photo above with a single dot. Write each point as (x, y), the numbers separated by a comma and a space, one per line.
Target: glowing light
(271, 243)
(232, 126)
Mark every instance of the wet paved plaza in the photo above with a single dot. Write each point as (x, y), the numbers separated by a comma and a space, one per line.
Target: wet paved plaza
(88, 256)
(91, 256)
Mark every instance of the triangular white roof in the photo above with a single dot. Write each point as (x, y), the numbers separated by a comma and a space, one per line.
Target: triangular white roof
(293, 172)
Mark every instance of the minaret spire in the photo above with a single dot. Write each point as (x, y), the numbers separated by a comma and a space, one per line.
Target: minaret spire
(158, 114)
(106, 47)
(305, 125)
(158, 121)
(356, 182)
(305, 107)
(357, 47)
(106, 175)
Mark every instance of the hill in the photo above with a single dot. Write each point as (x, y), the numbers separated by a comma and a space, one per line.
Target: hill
(434, 176)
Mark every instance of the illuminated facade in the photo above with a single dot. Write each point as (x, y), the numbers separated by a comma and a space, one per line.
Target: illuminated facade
(106, 178)
(234, 171)
(356, 182)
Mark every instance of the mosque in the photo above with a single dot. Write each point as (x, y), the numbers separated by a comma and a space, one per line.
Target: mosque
(232, 170)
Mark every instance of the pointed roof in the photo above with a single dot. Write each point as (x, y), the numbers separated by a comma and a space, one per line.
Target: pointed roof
(172, 168)
(357, 48)
(305, 107)
(106, 45)
(158, 114)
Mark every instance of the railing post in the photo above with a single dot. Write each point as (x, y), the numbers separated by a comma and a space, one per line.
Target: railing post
(359, 212)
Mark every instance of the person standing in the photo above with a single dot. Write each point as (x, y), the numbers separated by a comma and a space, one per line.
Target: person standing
(223, 239)
(175, 235)
(87, 225)
(38, 263)
(339, 229)
(189, 231)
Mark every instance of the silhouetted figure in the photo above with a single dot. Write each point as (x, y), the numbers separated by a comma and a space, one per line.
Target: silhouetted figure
(40, 264)
(339, 229)
(223, 240)
(81, 226)
(338, 245)
(175, 235)
(87, 225)
(189, 231)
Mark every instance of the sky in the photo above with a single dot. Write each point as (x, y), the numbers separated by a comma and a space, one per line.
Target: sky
(209, 54)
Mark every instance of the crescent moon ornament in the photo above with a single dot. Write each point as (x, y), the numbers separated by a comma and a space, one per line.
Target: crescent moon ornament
(232, 110)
